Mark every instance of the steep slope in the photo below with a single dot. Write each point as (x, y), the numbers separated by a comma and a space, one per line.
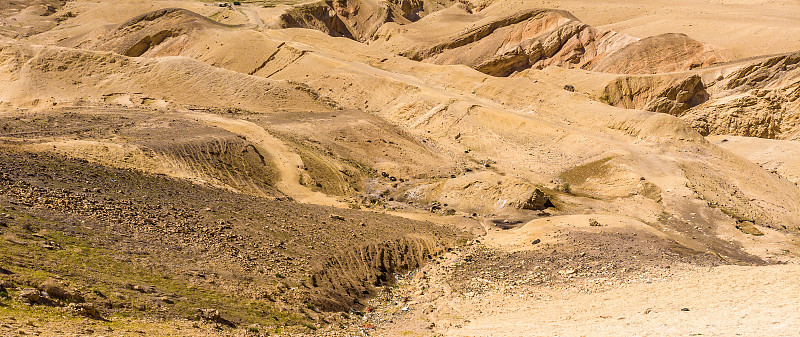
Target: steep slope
(155, 30)
(357, 19)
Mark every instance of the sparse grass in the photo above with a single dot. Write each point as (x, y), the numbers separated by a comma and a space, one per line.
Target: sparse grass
(580, 174)
(58, 320)
(142, 247)
(103, 275)
(748, 227)
(330, 175)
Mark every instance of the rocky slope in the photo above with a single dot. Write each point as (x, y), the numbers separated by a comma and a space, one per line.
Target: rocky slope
(187, 247)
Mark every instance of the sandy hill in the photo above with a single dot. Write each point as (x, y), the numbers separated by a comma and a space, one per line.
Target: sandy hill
(341, 167)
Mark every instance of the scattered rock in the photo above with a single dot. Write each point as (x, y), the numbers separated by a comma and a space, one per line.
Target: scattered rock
(86, 309)
(567, 272)
(51, 246)
(537, 201)
(337, 217)
(685, 309)
(30, 295)
(569, 88)
(57, 290)
(748, 227)
(537, 241)
(212, 315)
(142, 289)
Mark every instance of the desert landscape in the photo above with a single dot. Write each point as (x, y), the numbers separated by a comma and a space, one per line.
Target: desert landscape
(399, 168)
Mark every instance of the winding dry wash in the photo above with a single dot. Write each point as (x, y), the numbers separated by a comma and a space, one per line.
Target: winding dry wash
(399, 168)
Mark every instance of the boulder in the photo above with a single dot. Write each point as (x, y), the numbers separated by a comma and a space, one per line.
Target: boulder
(30, 295)
(537, 201)
(678, 98)
(212, 315)
(57, 290)
(86, 309)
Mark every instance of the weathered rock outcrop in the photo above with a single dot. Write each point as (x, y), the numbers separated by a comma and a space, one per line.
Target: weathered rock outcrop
(665, 94)
(536, 38)
(755, 98)
(678, 98)
(769, 73)
(760, 113)
(500, 39)
(356, 19)
(759, 99)
(498, 43)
